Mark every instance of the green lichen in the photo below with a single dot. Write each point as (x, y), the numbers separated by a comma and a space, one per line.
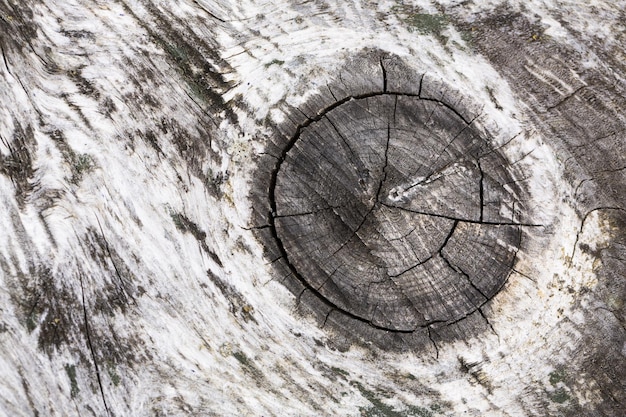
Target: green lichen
(274, 62)
(380, 409)
(339, 371)
(427, 24)
(560, 396)
(115, 378)
(70, 370)
(247, 365)
(83, 163)
(557, 376)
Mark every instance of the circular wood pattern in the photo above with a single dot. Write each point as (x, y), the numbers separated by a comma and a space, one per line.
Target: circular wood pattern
(392, 210)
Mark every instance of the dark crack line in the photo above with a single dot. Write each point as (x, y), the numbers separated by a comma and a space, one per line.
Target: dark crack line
(467, 125)
(604, 171)
(443, 245)
(329, 278)
(299, 297)
(273, 261)
(90, 344)
(212, 15)
(447, 239)
(403, 236)
(492, 150)
(411, 302)
(482, 191)
(516, 181)
(384, 178)
(467, 277)
(355, 232)
(395, 110)
(306, 213)
(567, 98)
(482, 313)
(120, 287)
(523, 157)
(513, 211)
(328, 315)
(355, 160)
(440, 170)
(428, 179)
(419, 90)
(380, 186)
(592, 142)
(582, 225)
(6, 61)
(443, 216)
(306, 116)
(330, 90)
(338, 103)
(382, 67)
(204, 111)
(524, 275)
(580, 185)
(261, 227)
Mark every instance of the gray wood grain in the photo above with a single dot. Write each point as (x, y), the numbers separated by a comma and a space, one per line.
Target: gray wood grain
(383, 211)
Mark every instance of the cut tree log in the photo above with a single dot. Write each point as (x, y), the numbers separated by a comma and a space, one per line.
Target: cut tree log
(383, 212)
(240, 208)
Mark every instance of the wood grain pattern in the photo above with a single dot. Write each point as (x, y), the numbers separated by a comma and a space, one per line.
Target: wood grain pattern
(392, 210)
(244, 208)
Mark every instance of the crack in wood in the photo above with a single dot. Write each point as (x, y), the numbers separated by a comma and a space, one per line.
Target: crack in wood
(481, 191)
(124, 294)
(6, 62)
(471, 221)
(90, 345)
(355, 160)
(382, 67)
(443, 245)
(330, 90)
(582, 225)
(566, 98)
(344, 276)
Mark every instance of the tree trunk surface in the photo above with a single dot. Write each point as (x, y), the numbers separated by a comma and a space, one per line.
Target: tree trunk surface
(256, 208)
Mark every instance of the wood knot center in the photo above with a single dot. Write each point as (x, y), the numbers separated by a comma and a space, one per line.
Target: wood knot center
(394, 211)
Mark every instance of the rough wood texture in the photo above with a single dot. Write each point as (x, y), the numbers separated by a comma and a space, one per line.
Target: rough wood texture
(383, 211)
(244, 208)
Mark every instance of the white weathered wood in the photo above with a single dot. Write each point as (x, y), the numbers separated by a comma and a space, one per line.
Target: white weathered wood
(139, 268)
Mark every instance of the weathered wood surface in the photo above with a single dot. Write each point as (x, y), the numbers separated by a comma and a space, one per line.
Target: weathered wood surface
(384, 212)
(243, 208)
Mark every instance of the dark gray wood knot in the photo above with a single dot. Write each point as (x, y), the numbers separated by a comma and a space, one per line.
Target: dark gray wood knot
(393, 212)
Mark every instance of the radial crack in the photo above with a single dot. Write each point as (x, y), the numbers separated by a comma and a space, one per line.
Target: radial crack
(482, 313)
(443, 216)
(443, 245)
(382, 66)
(355, 160)
(380, 186)
(481, 190)
(467, 277)
(307, 213)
